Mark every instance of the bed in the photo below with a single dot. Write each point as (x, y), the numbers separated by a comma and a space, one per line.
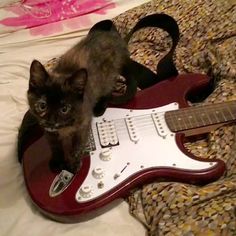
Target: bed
(43, 30)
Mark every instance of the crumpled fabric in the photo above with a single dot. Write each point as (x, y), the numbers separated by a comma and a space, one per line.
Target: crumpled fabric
(207, 45)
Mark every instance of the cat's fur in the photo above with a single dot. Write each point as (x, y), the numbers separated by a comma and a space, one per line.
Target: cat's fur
(63, 100)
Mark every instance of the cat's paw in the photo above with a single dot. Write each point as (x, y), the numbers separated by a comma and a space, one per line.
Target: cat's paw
(99, 110)
(101, 106)
(73, 167)
(74, 163)
(57, 165)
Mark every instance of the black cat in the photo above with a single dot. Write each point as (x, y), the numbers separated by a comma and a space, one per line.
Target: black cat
(63, 100)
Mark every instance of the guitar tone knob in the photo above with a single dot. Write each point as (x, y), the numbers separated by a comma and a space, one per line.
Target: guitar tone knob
(98, 173)
(105, 154)
(86, 191)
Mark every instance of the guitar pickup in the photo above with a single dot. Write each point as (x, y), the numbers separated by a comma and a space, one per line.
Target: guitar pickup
(160, 124)
(132, 129)
(107, 133)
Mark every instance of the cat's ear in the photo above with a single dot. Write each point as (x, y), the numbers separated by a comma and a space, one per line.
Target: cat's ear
(78, 80)
(38, 74)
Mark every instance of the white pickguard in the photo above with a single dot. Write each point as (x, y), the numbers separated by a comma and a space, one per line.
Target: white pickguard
(149, 144)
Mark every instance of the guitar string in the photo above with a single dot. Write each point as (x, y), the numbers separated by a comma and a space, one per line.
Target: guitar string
(144, 124)
(146, 118)
(140, 122)
(180, 112)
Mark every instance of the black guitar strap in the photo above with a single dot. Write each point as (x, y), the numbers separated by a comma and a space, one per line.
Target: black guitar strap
(165, 68)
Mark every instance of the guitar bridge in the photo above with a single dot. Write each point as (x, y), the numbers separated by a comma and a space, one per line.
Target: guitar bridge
(107, 133)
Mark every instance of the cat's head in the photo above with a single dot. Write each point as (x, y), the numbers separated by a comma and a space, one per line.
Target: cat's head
(55, 98)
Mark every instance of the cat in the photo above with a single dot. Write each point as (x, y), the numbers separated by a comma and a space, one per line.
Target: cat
(80, 85)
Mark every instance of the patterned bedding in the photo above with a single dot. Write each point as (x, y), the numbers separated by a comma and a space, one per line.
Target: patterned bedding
(207, 45)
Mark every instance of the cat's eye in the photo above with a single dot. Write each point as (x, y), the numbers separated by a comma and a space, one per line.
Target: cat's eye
(65, 109)
(42, 106)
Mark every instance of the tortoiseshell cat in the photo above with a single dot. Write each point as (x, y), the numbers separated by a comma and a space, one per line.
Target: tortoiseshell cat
(63, 100)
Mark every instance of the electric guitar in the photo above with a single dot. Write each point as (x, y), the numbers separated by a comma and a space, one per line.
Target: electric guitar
(129, 146)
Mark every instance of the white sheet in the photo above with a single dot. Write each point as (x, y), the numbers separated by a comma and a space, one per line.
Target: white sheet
(17, 49)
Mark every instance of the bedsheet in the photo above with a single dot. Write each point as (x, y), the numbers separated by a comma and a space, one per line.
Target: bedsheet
(37, 29)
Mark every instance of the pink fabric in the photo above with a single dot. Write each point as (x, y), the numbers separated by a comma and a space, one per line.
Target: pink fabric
(32, 13)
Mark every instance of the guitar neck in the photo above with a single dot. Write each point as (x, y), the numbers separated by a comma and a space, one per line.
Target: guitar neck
(197, 117)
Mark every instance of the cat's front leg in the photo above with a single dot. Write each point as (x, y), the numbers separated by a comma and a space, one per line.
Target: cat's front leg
(57, 161)
(75, 147)
(78, 152)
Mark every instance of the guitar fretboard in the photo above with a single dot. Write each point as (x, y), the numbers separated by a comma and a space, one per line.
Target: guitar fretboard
(195, 117)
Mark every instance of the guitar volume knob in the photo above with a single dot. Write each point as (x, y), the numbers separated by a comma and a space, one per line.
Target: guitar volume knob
(86, 191)
(105, 154)
(98, 173)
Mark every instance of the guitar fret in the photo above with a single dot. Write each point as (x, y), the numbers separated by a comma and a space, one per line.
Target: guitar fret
(183, 120)
(204, 121)
(211, 116)
(227, 114)
(198, 120)
(233, 110)
(176, 120)
(188, 119)
(216, 115)
(230, 112)
(173, 119)
(225, 119)
(200, 116)
(220, 115)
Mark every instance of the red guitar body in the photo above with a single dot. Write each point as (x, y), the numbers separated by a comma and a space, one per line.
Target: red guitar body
(65, 208)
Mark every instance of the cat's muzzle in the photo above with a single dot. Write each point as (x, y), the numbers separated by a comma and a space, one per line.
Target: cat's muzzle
(50, 130)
